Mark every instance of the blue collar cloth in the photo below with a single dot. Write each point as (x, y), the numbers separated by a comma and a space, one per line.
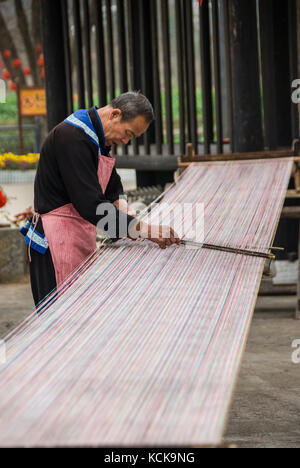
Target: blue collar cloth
(82, 120)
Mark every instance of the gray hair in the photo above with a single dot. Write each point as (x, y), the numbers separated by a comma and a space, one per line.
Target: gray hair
(133, 104)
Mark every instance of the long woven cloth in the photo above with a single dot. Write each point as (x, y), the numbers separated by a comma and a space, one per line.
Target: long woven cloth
(142, 346)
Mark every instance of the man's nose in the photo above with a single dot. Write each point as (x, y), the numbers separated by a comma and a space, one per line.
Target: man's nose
(125, 140)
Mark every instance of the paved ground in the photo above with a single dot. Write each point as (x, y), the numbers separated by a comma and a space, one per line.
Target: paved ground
(266, 407)
(16, 302)
(265, 411)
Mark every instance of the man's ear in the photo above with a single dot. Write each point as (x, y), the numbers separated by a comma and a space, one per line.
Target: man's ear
(116, 113)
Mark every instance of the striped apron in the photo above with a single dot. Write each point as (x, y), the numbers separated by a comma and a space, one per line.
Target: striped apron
(71, 238)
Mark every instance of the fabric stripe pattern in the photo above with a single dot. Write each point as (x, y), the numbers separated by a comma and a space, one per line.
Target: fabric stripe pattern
(142, 346)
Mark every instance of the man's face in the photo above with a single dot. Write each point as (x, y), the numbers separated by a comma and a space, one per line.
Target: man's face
(117, 131)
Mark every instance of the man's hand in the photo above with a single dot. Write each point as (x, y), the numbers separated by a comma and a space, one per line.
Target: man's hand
(122, 205)
(164, 236)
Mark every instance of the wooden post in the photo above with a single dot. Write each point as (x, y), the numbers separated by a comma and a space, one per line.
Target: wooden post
(190, 152)
(297, 312)
(296, 152)
(21, 141)
(55, 62)
(247, 114)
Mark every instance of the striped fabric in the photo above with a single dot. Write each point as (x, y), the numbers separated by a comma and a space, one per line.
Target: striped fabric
(81, 119)
(33, 238)
(142, 346)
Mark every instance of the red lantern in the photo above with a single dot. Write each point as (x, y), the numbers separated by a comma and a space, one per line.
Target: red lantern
(5, 75)
(7, 53)
(41, 60)
(26, 71)
(16, 63)
(13, 86)
(38, 49)
(42, 73)
(1, 64)
(3, 199)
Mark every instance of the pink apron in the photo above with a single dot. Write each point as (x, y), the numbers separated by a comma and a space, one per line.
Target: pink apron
(71, 238)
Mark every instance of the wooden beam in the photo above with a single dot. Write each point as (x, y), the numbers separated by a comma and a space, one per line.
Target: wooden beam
(292, 212)
(241, 157)
(292, 194)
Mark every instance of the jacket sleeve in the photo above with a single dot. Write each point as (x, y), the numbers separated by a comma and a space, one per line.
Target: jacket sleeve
(114, 188)
(78, 169)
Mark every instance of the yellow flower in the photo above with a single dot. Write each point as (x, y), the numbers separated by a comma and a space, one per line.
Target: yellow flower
(30, 158)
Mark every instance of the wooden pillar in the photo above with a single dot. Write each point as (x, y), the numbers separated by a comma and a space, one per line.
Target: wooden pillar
(282, 77)
(247, 115)
(293, 61)
(278, 36)
(267, 36)
(143, 73)
(55, 71)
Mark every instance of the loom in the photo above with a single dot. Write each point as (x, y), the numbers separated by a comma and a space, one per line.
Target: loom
(142, 346)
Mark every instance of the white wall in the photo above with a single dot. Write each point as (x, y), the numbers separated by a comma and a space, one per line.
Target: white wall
(21, 195)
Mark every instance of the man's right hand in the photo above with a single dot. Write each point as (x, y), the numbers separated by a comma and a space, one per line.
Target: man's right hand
(164, 236)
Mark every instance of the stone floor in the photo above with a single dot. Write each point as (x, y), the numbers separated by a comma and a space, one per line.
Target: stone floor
(265, 410)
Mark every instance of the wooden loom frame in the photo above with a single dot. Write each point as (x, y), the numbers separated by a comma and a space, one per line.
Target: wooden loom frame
(229, 446)
(289, 212)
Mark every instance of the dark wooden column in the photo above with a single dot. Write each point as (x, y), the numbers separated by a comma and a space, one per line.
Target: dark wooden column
(247, 115)
(282, 76)
(293, 59)
(55, 71)
(144, 61)
(267, 36)
(279, 68)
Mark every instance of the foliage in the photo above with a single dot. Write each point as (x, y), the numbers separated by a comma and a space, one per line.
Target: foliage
(9, 110)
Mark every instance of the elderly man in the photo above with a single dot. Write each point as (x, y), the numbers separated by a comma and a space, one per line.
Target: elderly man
(75, 178)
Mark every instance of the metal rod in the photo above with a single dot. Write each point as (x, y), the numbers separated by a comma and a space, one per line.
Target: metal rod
(122, 46)
(110, 51)
(79, 54)
(87, 48)
(251, 253)
(206, 78)
(122, 54)
(180, 72)
(217, 75)
(143, 39)
(100, 54)
(156, 78)
(67, 56)
(229, 114)
(190, 70)
(167, 74)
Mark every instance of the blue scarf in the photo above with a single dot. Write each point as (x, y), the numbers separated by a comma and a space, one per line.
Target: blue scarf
(37, 241)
